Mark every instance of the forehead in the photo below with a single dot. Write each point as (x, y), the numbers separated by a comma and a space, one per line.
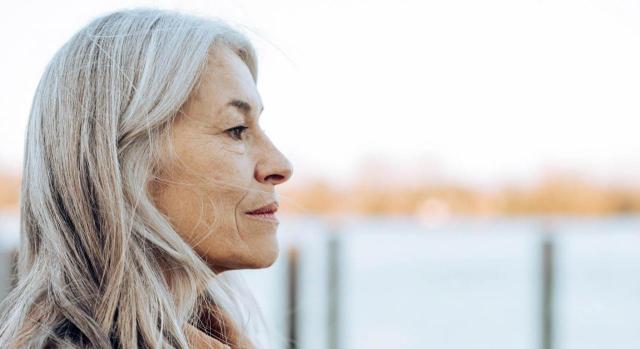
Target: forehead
(225, 77)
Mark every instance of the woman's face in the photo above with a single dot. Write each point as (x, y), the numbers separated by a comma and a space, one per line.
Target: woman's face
(225, 167)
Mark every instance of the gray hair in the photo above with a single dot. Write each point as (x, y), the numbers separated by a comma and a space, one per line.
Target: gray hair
(94, 250)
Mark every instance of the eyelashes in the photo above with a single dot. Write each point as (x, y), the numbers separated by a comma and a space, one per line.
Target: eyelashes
(236, 132)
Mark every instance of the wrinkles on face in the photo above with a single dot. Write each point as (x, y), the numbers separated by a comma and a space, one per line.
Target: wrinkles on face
(234, 150)
(211, 182)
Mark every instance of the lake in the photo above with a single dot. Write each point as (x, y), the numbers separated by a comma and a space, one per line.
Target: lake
(466, 283)
(471, 283)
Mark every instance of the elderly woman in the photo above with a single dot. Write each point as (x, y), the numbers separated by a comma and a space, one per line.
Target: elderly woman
(146, 176)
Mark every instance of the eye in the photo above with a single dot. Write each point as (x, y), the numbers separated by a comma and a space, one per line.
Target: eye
(236, 132)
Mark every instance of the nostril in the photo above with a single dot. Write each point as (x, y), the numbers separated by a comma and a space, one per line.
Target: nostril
(275, 178)
(273, 173)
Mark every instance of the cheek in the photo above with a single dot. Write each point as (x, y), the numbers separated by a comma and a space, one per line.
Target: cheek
(225, 174)
(217, 166)
(205, 187)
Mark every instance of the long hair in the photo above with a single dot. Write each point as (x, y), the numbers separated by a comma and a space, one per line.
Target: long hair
(95, 252)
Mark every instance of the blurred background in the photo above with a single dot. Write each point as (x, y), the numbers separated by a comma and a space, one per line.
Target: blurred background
(467, 173)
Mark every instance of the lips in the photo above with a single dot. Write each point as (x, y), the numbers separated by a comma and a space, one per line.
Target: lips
(265, 210)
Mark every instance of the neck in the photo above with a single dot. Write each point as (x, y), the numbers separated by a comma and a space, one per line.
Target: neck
(216, 323)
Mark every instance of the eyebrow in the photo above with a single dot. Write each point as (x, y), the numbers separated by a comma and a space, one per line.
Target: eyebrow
(243, 106)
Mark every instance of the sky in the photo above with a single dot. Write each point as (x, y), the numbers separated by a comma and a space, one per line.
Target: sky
(480, 92)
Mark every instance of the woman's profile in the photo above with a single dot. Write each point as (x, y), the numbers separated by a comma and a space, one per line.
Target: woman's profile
(146, 176)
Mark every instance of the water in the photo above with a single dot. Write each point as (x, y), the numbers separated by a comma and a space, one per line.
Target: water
(466, 284)
(470, 284)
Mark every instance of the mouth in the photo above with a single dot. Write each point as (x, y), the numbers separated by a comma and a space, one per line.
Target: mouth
(267, 212)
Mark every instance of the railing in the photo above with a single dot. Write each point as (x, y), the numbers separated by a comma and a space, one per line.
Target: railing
(547, 292)
(551, 294)
(520, 284)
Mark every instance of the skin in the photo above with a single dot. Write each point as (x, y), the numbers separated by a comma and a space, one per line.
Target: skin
(219, 173)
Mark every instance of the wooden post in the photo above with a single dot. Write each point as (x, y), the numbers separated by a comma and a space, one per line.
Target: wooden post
(548, 291)
(292, 297)
(8, 271)
(5, 272)
(333, 292)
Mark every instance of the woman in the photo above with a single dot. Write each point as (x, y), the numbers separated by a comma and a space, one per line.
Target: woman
(146, 176)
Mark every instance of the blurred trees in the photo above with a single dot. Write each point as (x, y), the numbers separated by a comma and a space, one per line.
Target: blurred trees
(9, 191)
(556, 194)
(552, 195)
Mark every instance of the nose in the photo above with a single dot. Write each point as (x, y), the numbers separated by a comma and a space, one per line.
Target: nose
(274, 168)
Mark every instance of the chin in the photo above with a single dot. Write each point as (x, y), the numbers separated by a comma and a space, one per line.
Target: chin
(264, 259)
(258, 258)
(260, 252)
